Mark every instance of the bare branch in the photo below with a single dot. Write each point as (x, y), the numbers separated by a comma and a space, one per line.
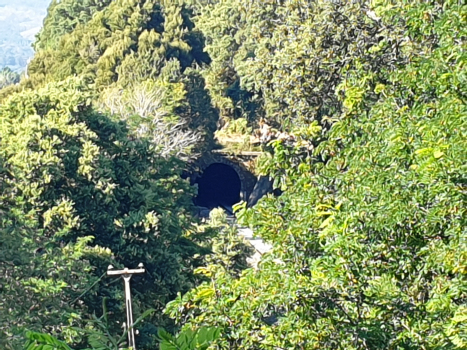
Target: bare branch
(146, 101)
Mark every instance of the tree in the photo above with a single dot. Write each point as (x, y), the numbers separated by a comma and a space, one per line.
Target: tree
(63, 17)
(283, 62)
(71, 176)
(8, 77)
(152, 109)
(369, 232)
(125, 45)
(123, 41)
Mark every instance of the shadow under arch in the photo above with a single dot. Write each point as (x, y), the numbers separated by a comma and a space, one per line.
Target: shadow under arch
(218, 186)
(225, 168)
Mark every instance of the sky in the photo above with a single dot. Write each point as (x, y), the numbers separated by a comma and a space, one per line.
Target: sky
(29, 3)
(30, 13)
(20, 21)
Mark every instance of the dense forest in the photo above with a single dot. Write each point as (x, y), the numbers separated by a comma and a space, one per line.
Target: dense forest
(364, 108)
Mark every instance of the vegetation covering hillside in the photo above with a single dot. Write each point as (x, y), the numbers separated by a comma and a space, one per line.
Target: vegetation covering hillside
(361, 106)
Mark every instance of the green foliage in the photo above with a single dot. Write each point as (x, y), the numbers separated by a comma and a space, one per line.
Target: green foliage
(99, 332)
(218, 217)
(38, 279)
(225, 247)
(288, 59)
(98, 337)
(199, 339)
(8, 77)
(40, 341)
(63, 16)
(228, 249)
(367, 102)
(122, 41)
(152, 109)
(369, 234)
(223, 25)
(199, 111)
(122, 47)
(72, 176)
(234, 130)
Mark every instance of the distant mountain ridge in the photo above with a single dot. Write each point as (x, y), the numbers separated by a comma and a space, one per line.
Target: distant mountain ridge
(19, 23)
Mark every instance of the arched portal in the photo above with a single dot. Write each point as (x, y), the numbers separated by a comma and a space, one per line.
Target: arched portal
(218, 186)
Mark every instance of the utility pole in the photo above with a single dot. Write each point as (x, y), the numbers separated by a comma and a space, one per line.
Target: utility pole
(126, 275)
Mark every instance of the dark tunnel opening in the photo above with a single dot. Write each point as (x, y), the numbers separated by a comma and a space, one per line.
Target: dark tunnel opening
(218, 186)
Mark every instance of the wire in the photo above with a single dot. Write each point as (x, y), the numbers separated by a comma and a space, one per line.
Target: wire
(87, 290)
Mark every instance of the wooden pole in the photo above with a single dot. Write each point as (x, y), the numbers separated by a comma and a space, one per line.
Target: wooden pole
(126, 275)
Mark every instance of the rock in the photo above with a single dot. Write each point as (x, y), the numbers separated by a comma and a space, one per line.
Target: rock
(202, 212)
(263, 186)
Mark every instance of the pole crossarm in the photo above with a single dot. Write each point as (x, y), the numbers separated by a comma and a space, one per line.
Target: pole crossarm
(125, 271)
(126, 274)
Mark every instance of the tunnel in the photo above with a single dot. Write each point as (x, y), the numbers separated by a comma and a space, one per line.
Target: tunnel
(218, 186)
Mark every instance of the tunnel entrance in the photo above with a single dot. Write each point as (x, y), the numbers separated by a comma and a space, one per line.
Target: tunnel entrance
(218, 186)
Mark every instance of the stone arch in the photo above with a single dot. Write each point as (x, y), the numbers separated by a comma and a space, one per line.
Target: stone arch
(247, 179)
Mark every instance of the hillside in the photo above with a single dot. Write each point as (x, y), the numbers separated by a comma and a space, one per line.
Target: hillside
(356, 115)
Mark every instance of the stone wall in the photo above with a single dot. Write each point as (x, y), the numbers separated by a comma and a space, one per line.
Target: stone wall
(248, 179)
